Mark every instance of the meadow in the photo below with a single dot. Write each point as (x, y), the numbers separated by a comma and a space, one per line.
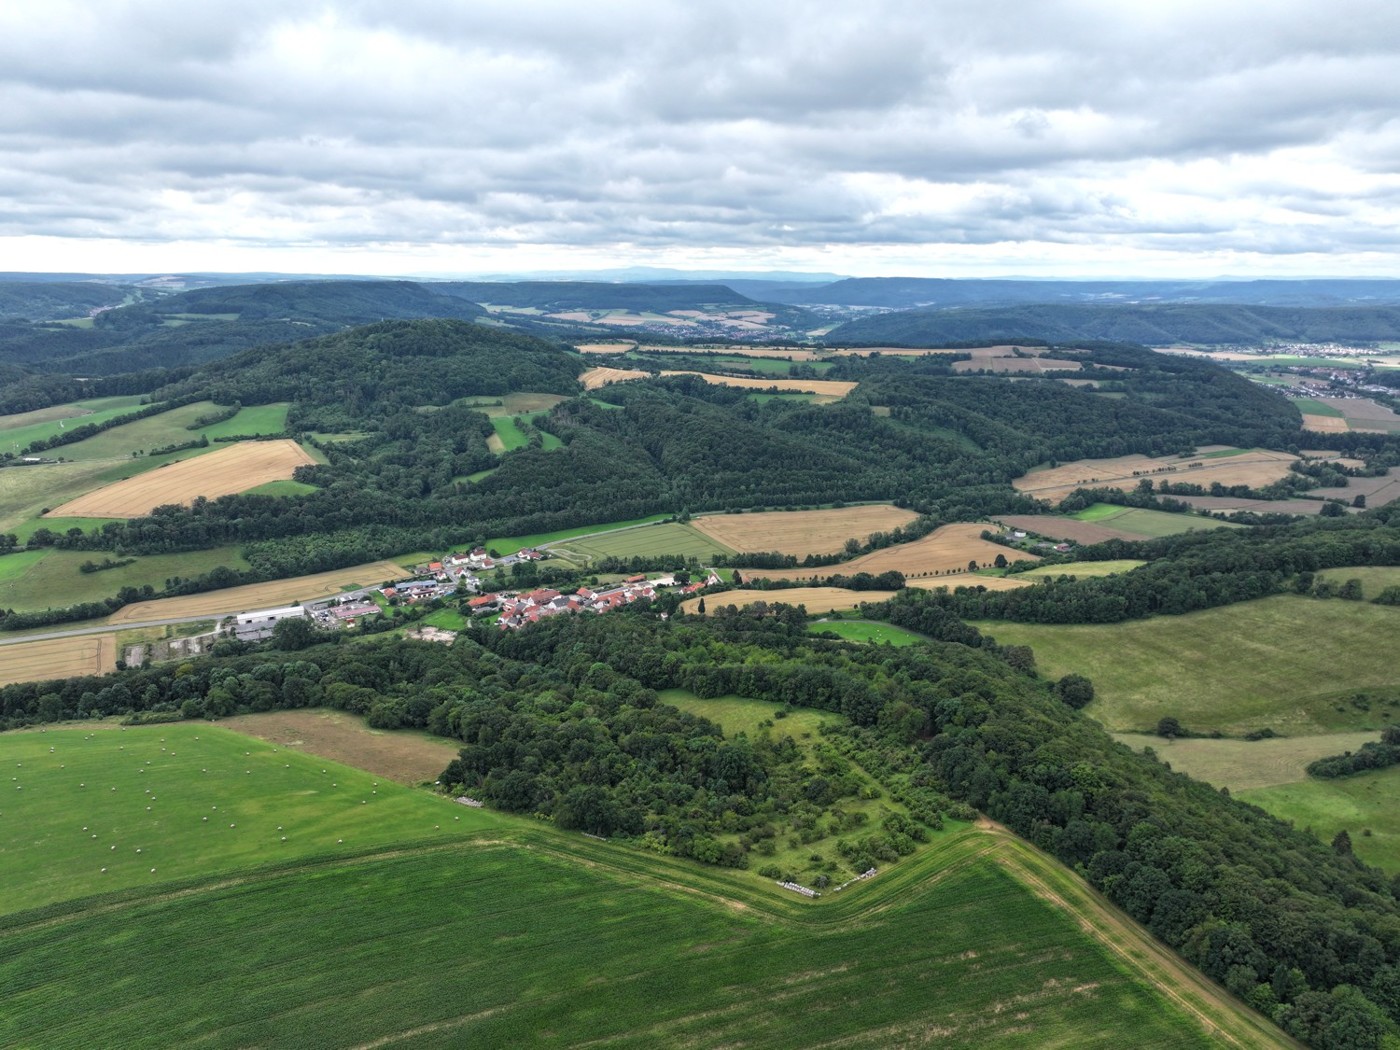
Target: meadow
(511, 544)
(866, 631)
(511, 437)
(1374, 578)
(1235, 669)
(1147, 524)
(43, 579)
(255, 419)
(1246, 765)
(1357, 804)
(230, 469)
(503, 931)
(25, 427)
(802, 532)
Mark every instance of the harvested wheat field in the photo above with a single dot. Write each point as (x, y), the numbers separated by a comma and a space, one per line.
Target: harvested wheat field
(605, 348)
(597, 378)
(1361, 413)
(1378, 491)
(403, 755)
(816, 599)
(58, 658)
(237, 468)
(1325, 424)
(801, 532)
(1254, 467)
(943, 551)
(894, 351)
(827, 387)
(253, 596)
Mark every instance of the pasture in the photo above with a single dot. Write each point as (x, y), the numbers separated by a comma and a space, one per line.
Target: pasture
(948, 549)
(511, 544)
(87, 654)
(1253, 467)
(1357, 804)
(1246, 765)
(1147, 524)
(20, 429)
(1085, 568)
(254, 596)
(646, 541)
(190, 800)
(802, 532)
(738, 714)
(487, 943)
(1242, 667)
(867, 631)
(1374, 578)
(1056, 527)
(49, 578)
(511, 436)
(255, 419)
(234, 468)
(816, 599)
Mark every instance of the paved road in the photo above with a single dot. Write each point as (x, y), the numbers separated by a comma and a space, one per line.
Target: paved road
(108, 629)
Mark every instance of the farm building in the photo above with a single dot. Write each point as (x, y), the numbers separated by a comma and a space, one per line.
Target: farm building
(255, 626)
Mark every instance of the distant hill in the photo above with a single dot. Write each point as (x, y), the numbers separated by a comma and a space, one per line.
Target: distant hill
(55, 300)
(594, 295)
(1156, 325)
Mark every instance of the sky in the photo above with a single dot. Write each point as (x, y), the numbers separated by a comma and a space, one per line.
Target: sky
(923, 138)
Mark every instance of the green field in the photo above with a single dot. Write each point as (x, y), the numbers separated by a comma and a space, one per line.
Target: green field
(281, 488)
(17, 431)
(763, 399)
(864, 631)
(736, 714)
(1316, 408)
(664, 538)
(1290, 663)
(1246, 765)
(256, 419)
(1374, 579)
(50, 578)
(1084, 568)
(24, 530)
(512, 437)
(1149, 524)
(511, 544)
(1359, 803)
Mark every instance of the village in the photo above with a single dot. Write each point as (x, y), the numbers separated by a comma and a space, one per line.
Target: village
(456, 575)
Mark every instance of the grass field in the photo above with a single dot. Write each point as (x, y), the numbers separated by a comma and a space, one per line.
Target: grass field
(255, 419)
(1246, 765)
(487, 930)
(1148, 524)
(233, 468)
(948, 549)
(1310, 406)
(50, 578)
(1247, 666)
(816, 599)
(87, 654)
(1374, 578)
(1085, 568)
(1354, 804)
(737, 714)
(662, 538)
(18, 431)
(510, 436)
(863, 631)
(802, 532)
(260, 595)
(281, 488)
(511, 544)
(1254, 467)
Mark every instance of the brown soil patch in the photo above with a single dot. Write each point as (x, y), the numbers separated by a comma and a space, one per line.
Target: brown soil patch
(816, 599)
(1053, 528)
(88, 654)
(597, 378)
(237, 468)
(1255, 468)
(254, 596)
(801, 532)
(402, 756)
(831, 387)
(941, 552)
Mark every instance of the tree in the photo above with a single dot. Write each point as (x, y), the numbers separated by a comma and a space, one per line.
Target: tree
(972, 565)
(1075, 690)
(700, 608)
(1170, 728)
(1000, 561)
(294, 633)
(1341, 842)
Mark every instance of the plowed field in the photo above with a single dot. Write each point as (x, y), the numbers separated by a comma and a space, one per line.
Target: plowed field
(237, 468)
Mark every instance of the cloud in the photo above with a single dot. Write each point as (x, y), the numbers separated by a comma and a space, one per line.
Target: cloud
(636, 130)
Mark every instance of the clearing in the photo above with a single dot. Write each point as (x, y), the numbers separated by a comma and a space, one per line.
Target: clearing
(816, 599)
(87, 654)
(829, 388)
(1296, 665)
(867, 631)
(1253, 467)
(1363, 805)
(946, 550)
(802, 532)
(236, 468)
(252, 596)
(1085, 568)
(1246, 765)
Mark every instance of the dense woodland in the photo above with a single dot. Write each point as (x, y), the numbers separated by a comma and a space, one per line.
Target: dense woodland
(563, 720)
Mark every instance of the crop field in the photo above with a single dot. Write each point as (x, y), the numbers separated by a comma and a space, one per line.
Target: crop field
(1034, 365)
(1254, 467)
(867, 631)
(510, 436)
(1378, 491)
(987, 581)
(832, 388)
(1228, 504)
(1246, 765)
(87, 654)
(49, 578)
(893, 351)
(254, 596)
(597, 378)
(802, 532)
(816, 599)
(281, 488)
(235, 468)
(1148, 524)
(1362, 805)
(1085, 568)
(18, 430)
(1361, 413)
(255, 419)
(651, 540)
(1239, 668)
(403, 756)
(1055, 527)
(946, 550)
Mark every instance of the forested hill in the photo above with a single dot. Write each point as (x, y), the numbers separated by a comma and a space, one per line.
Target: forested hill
(1157, 325)
(354, 379)
(52, 300)
(594, 295)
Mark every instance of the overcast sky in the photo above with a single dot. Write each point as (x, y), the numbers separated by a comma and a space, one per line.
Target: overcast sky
(880, 137)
